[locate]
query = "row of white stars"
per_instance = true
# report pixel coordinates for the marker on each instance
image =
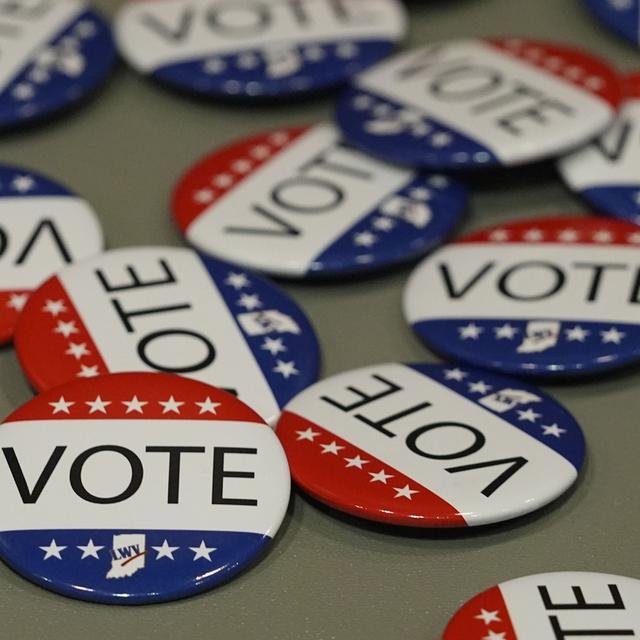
(600, 236)
(22, 183)
(472, 331)
(556, 64)
(333, 448)
(91, 550)
(135, 405)
(488, 617)
(241, 166)
(251, 60)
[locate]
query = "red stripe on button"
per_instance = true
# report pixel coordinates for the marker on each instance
(323, 465)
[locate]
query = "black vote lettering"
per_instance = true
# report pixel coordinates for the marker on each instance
(465, 83)
(365, 398)
(260, 14)
(175, 453)
(208, 358)
(535, 113)
(379, 424)
(515, 464)
(4, 241)
(284, 228)
(75, 475)
(322, 161)
(173, 33)
(43, 226)
(581, 603)
(614, 144)
(454, 293)
(598, 270)
(562, 634)
(635, 289)
(125, 315)
(278, 195)
(478, 443)
(136, 281)
(428, 61)
(220, 473)
(518, 92)
(503, 281)
(27, 496)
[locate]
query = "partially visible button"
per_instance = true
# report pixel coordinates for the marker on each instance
(620, 16)
(550, 606)
(475, 103)
(299, 202)
(430, 445)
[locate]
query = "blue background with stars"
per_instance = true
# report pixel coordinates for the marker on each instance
(621, 16)
(33, 95)
(161, 578)
(570, 444)
(619, 202)
(15, 182)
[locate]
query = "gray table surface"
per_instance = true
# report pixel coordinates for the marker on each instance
(327, 576)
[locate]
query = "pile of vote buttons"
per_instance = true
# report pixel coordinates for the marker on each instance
(178, 390)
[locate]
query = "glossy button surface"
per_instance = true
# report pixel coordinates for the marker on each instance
(137, 488)
(479, 103)
(299, 202)
(430, 445)
(548, 297)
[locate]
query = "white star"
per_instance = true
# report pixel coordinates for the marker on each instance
(441, 139)
(470, 331)
(134, 405)
(309, 435)
(202, 551)
(17, 301)
(313, 53)
(23, 91)
(249, 301)
(364, 239)
(594, 83)
(612, 335)
(241, 166)
(207, 406)
(479, 387)
(576, 333)
(53, 550)
(222, 181)
(381, 476)
(421, 129)
(203, 196)
(455, 374)
(553, 430)
(362, 102)
(279, 138)
(495, 636)
(214, 66)
(383, 110)
(54, 307)
(404, 492)
(603, 236)
(88, 372)
(171, 405)
(77, 350)
(634, 238)
(533, 235)
(332, 448)
(499, 235)
(568, 235)
(247, 61)
(90, 550)
(505, 331)
(383, 224)
(356, 462)
(286, 369)
(554, 63)
(273, 345)
(23, 184)
(488, 616)
(438, 181)
(85, 29)
(260, 152)
(66, 328)
(420, 193)
(98, 405)
(237, 280)
(165, 551)
(347, 50)
(530, 415)
(573, 72)
(61, 406)
(534, 54)
(621, 5)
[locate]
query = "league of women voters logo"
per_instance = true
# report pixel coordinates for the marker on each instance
(127, 555)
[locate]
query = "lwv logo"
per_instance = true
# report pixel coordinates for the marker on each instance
(127, 555)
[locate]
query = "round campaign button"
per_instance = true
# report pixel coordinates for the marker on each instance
(254, 49)
(479, 103)
(42, 227)
(169, 309)
(427, 445)
(621, 16)
(53, 55)
(607, 172)
(138, 487)
(549, 297)
(299, 202)
(551, 606)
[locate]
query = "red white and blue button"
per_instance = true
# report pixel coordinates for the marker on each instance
(551, 297)
(426, 445)
(607, 172)
(479, 103)
(620, 16)
(136, 488)
(42, 227)
(299, 202)
(257, 49)
(54, 54)
(169, 309)
(551, 606)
